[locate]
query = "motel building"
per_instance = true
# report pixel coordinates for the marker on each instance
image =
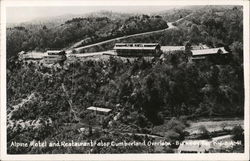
(30, 56)
(212, 53)
(138, 49)
(54, 56)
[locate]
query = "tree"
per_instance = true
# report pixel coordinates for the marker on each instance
(205, 134)
(238, 133)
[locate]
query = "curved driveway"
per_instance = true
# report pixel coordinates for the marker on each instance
(170, 26)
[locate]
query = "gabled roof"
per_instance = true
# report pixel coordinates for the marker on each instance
(99, 109)
(208, 51)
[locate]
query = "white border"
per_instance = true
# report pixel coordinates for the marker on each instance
(221, 156)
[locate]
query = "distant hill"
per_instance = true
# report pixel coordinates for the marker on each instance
(111, 15)
(58, 20)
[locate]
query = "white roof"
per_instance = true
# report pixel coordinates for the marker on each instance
(208, 51)
(34, 54)
(172, 48)
(99, 109)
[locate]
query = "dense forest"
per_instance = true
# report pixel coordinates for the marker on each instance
(213, 26)
(145, 93)
(89, 29)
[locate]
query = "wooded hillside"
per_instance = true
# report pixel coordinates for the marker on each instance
(145, 93)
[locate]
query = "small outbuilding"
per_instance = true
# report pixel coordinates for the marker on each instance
(100, 113)
(99, 110)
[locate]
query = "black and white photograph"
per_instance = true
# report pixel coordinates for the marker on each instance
(125, 79)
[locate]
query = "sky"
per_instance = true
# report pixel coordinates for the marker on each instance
(23, 14)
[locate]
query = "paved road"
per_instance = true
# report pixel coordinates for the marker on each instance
(108, 52)
(170, 26)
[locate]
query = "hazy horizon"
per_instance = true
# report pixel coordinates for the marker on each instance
(25, 14)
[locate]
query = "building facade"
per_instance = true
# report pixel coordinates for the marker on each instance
(54, 56)
(138, 49)
(212, 53)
